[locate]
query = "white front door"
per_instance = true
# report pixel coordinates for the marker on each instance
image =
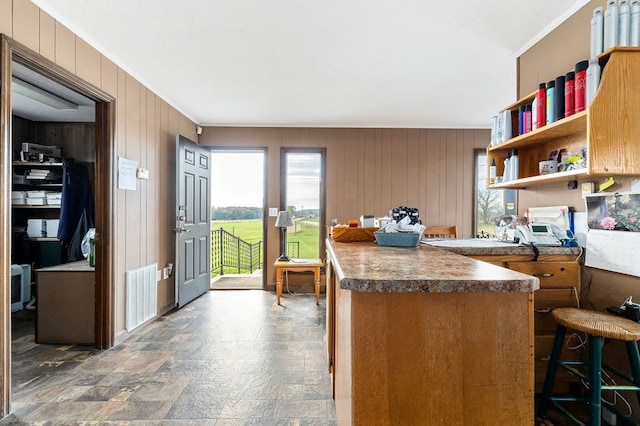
(193, 221)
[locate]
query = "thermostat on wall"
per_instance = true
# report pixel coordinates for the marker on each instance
(142, 173)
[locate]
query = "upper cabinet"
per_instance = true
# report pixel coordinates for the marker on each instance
(609, 128)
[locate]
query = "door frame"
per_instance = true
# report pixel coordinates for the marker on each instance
(265, 210)
(105, 198)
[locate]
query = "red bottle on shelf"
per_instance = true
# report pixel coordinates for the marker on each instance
(569, 97)
(580, 82)
(541, 106)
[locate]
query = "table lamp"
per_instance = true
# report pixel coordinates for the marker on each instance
(282, 222)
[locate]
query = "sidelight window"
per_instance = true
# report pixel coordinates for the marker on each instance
(303, 197)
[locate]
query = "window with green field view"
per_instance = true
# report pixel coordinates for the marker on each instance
(489, 204)
(303, 199)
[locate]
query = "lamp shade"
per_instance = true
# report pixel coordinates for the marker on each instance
(283, 220)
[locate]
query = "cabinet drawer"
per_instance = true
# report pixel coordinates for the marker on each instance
(551, 274)
(546, 299)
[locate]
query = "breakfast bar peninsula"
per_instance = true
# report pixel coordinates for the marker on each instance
(424, 336)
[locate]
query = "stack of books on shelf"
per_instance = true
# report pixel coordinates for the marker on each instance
(42, 175)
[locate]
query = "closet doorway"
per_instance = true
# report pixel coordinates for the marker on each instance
(17, 59)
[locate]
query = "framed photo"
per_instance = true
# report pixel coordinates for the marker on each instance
(555, 155)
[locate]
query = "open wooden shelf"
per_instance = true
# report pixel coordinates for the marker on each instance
(609, 129)
(568, 126)
(546, 179)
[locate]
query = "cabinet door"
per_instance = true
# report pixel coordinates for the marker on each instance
(546, 300)
(551, 274)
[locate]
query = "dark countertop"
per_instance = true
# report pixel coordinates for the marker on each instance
(369, 267)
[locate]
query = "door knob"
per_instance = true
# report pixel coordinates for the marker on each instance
(181, 230)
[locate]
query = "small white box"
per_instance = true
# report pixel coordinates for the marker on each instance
(367, 221)
(52, 227)
(54, 196)
(18, 195)
(36, 228)
(36, 201)
(42, 228)
(36, 194)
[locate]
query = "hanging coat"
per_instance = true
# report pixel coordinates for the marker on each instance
(76, 207)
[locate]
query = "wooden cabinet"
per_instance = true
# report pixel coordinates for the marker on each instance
(559, 277)
(66, 304)
(609, 129)
(426, 357)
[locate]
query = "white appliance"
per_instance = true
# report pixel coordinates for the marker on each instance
(20, 286)
(42, 228)
(537, 233)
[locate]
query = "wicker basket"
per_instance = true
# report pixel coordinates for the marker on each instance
(397, 239)
(351, 235)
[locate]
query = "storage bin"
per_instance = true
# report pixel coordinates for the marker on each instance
(350, 235)
(397, 239)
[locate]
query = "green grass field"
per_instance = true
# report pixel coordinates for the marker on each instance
(307, 234)
(248, 230)
(486, 227)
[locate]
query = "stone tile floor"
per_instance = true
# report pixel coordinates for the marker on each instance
(227, 358)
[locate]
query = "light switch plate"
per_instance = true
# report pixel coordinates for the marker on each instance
(587, 188)
(273, 211)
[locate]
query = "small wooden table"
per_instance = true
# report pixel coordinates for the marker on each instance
(298, 265)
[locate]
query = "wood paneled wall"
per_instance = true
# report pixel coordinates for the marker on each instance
(370, 171)
(76, 140)
(558, 52)
(146, 127)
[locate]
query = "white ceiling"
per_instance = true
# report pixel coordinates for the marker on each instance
(363, 63)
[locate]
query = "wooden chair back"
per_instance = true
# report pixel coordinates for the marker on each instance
(443, 232)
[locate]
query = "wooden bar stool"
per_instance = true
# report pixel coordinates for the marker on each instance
(598, 326)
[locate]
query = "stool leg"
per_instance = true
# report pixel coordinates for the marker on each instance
(634, 362)
(558, 342)
(595, 380)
